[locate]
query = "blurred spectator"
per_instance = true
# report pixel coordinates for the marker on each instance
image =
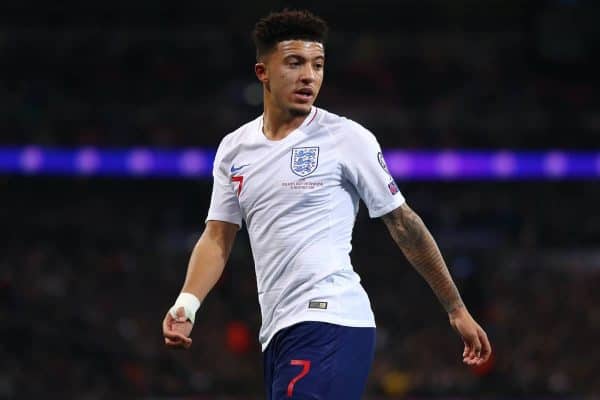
(88, 268)
(86, 275)
(517, 75)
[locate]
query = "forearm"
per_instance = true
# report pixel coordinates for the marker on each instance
(208, 260)
(418, 245)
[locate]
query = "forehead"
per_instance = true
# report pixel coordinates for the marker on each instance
(300, 47)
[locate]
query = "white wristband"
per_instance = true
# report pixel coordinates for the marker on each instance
(190, 304)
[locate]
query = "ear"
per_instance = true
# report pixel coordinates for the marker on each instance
(260, 69)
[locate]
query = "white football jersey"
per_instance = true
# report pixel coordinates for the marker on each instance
(299, 198)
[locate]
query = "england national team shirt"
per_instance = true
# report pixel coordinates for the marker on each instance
(299, 198)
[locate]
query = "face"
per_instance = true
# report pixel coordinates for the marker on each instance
(292, 75)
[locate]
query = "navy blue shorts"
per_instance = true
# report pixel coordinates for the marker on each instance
(317, 360)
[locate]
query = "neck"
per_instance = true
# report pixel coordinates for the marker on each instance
(278, 123)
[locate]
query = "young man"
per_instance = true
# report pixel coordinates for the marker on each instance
(295, 176)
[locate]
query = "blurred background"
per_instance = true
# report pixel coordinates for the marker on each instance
(89, 265)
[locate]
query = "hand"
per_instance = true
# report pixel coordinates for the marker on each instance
(477, 346)
(177, 330)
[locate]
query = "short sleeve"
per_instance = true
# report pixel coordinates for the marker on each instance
(224, 204)
(364, 167)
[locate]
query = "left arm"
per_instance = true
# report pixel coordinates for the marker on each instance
(416, 242)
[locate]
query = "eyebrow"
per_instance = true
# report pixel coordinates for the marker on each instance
(321, 57)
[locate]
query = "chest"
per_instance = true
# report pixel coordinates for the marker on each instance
(299, 174)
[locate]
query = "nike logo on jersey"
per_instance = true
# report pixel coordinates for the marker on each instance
(235, 169)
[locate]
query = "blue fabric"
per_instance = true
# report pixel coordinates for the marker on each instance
(340, 358)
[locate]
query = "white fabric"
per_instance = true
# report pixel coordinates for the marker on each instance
(190, 304)
(299, 198)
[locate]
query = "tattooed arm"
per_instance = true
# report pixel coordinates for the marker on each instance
(419, 247)
(412, 236)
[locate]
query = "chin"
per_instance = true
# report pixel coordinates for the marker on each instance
(300, 111)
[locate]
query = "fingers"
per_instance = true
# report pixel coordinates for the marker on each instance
(477, 349)
(466, 350)
(171, 331)
(486, 347)
(170, 323)
(174, 335)
(176, 339)
(178, 342)
(472, 352)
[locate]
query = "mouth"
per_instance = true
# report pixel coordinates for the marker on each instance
(304, 94)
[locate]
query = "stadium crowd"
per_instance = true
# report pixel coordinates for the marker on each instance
(89, 267)
(512, 83)
(87, 273)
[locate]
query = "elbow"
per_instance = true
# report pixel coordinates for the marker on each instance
(221, 233)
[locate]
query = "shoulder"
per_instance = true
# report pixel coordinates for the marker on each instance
(242, 134)
(345, 131)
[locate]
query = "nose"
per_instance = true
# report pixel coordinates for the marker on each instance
(308, 74)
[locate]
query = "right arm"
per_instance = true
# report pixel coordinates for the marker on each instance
(205, 267)
(209, 257)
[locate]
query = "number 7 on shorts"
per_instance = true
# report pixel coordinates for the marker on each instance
(305, 368)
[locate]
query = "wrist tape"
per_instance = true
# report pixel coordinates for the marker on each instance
(190, 304)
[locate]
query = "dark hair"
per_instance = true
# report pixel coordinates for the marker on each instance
(287, 25)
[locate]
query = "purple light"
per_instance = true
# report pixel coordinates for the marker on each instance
(449, 165)
(31, 159)
(504, 164)
(401, 163)
(555, 164)
(192, 162)
(87, 161)
(140, 162)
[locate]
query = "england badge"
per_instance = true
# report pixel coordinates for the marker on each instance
(304, 160)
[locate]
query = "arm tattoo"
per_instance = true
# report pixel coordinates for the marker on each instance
(412, 236)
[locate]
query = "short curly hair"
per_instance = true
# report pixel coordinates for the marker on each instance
(287, 25)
